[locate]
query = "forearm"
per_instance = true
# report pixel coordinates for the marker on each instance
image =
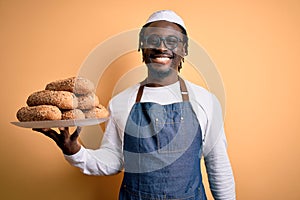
(220, 173)
(106, 160)
(96, 162)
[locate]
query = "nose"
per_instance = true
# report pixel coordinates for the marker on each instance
(162, 45)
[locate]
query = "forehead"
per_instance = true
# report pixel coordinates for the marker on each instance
(163, 28)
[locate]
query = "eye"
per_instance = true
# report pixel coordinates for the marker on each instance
(153, 40)
(172, 40)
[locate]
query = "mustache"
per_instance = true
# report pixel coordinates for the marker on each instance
(160, 53)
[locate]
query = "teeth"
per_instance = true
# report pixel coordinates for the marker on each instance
(162, 59)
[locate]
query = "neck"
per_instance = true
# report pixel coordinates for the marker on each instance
(159, 82)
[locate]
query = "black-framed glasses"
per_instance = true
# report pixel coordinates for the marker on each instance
(154, 41)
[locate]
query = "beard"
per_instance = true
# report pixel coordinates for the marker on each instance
(158, 73)
(158, 70)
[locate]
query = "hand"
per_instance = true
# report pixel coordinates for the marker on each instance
(67, 142)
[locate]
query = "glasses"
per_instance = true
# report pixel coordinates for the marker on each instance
(154, 41)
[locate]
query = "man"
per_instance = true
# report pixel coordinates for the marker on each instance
(160, 128)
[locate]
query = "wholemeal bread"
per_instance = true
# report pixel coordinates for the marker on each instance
(72, 114)
(76, 85)
(96, 112)
(39, 113)
(61, 99)
(71, 98)
(88, 101)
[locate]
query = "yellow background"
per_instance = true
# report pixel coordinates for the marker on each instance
(254, 44)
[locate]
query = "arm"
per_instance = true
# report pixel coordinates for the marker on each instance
(106, 160)
(218, 167)
(219, 171)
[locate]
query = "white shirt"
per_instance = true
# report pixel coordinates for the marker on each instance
(108, 159)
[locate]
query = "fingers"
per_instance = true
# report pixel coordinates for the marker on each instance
(48, 132)
(41, 130)
(75, 135)
(64, 132)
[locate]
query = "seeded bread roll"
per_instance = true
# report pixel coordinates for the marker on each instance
(61, 99)
(88, 101)
(97, 112)
(38, 113)
(72, 114)
(76, 85)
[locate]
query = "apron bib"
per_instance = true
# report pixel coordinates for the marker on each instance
(162, 144)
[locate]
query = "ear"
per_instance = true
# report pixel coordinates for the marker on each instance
(184, 49)
(143, 56)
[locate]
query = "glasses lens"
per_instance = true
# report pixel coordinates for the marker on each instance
(153, 41)
(171, 42)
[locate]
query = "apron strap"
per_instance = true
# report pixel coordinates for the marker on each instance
(183, 90)
(140, 93)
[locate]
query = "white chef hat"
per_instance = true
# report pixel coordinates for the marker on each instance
(167, 15)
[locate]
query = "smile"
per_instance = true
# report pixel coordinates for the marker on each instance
(161, 58)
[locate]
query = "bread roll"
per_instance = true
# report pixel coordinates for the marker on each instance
(76, 85)
(72, 114)
(88, 101)
(39, 113)
(61, 99)
(97, 112)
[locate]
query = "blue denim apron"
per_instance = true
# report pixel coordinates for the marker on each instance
(162, 148)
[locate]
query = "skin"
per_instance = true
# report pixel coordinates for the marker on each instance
(161, 72)
(67, 142)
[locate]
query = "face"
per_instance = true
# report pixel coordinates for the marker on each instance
(163, 48)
